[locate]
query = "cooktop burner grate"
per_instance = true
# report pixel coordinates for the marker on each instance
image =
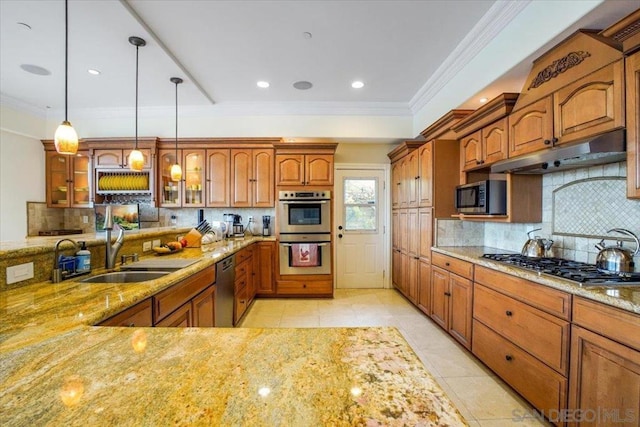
(579, 272)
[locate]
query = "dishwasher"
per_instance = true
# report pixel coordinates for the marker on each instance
(225, 277)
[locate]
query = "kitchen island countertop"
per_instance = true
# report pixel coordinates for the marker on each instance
(219, 376)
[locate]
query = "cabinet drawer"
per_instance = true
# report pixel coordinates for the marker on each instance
(240, 304)
(619, 325)
(242, 268)
(539, 384)
(550, 300)
(181, 318)
(139, 315)
(171, 298)
(544, 336)
(305, 287)
(240, 283)
(243, 254)
(454, 265)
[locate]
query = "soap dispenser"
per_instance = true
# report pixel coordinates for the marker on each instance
(83, 259)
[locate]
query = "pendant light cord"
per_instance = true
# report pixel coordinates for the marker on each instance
(177, 122)
(137, 47)
(66, 59)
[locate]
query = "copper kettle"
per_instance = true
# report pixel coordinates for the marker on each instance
(616, 259)
(537, 247)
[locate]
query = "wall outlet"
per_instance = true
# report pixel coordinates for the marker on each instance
(20, 272)
(156, 243)
(146, 246)
(85, 219)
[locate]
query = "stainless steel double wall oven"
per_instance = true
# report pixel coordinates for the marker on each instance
(304, 222)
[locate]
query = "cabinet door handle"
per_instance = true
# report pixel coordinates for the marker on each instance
(547, 142)
(554, 140)
(447, 264)
(508, 358)
(304, 285)
(416, 257)
(448, 294)
(509, 313)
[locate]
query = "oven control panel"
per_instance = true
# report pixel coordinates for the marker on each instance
(304, 195)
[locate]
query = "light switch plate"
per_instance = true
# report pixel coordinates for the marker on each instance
(20, 272)
(146, 246)
(156, 243)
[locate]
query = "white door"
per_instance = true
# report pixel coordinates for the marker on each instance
(359, 228)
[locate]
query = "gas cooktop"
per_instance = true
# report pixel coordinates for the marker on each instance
(579, 272)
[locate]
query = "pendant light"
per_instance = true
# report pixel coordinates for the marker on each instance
(66, 138)
(176, 170)
(136, 159)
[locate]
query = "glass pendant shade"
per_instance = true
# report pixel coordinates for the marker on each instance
(136, 160)
(176, 172)
(66, 139)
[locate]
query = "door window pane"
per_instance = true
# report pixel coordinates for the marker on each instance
(360, 204)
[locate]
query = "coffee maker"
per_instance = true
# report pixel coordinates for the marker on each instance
(238, 228)
(229, 220)
(266, 221)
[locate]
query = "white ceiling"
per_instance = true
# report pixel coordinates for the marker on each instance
(222, 48)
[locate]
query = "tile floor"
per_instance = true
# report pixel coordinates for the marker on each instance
(482, 398)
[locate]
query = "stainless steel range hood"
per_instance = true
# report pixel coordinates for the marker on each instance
(609, 147)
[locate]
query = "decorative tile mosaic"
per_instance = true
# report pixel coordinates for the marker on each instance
(589, 207)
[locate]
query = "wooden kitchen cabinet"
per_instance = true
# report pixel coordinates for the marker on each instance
(264, 267)
(304, 169)
(605, 362)
(68, 180)
(425, 233)
(412, 177)
(305, 287)
(396, 182)
(452, 296)
(252, 177)
(521, 331)
(591, 105)
(171, 299)
(632, 63)
(425, 189)
(424, 287)
(531, 128)
(203, 308)
(190, 190)
(116, 158)
(439, 175)
(140, 315)
(218, 177)
(182, 317)
(485, 147)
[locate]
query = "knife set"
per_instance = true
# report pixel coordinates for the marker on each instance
(194, 236)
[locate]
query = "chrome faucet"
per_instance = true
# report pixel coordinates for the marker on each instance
(112, 251)
(56, 275)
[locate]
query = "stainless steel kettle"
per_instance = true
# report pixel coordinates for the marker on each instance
(537, 247)
(616, 259)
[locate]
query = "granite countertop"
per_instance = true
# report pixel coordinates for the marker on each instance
(40, 311)
(219, 376)
(624, 297)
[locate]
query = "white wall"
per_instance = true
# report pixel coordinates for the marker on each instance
(22, 170)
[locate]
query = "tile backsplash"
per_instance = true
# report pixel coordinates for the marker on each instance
(578, 207)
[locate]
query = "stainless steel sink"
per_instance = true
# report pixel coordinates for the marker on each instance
(126, 277)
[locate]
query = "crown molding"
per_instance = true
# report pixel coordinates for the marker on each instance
(234, 109)
(490, 25)
(22, 106)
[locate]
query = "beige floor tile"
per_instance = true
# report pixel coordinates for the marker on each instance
(457, 401)
(261, 321)
(312, 321)
(454, 361)
(487, 397)
(340, 321)
(515, 421)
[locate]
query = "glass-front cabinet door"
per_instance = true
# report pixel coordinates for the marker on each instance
(58, 180)
(193, 177)
(170, 191)
(81, 180)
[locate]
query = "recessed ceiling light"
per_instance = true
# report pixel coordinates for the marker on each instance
(35, 69)
(307, 35)
(483, 100)
(93, 71)
(303, 85)
(263, 84)
(357, 84)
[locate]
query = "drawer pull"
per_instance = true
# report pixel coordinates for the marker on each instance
(304, 285)
(447, 264)
(508, 358)
(509, 313)
(448, 294)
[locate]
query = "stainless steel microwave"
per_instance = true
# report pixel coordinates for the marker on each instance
(487, 197)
